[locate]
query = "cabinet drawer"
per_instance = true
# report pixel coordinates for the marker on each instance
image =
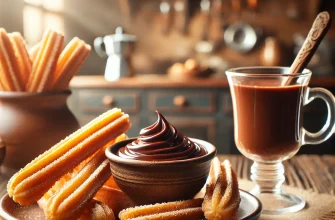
(200, 128)
(183, 102)
(99, 101)
(227, 104)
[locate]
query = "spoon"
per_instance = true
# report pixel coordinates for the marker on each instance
(317, 32)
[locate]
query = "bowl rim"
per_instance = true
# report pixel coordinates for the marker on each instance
(210, 148)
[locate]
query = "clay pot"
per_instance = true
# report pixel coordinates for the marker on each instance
(31, 123)
(149, 182)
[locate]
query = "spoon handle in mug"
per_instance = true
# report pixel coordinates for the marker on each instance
(317, 32)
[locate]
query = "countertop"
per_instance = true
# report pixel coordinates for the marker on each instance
(163, 81)
(309, 172)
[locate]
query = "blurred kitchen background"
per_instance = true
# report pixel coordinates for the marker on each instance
(177, 52)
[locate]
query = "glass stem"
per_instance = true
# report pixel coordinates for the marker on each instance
(268, 177)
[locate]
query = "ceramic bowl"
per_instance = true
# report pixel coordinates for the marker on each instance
(148, 182)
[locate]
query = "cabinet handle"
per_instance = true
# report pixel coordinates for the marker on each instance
(108, 101)
(180, 101)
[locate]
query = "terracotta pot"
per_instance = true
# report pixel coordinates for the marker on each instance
(31, 123)
(149, 182)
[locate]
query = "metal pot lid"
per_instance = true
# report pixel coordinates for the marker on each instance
(241, 37)
(120, 36)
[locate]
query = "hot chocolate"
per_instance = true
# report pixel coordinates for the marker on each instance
(268, 120)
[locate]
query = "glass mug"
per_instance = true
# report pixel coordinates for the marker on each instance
(268, 104)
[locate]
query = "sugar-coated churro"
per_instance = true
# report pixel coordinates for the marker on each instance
(222, 197)
(188, 209)
(97, 211)
(182, 214)
(119, 199)
(33, 51)
(70, 201)
(69, 62)
(22, 55)
(45, 63)
(9, 65)
(65, 178)
(31, 182)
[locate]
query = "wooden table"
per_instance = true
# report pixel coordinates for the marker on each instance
(309, 172)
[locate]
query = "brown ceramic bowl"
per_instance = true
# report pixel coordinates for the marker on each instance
(148, 182)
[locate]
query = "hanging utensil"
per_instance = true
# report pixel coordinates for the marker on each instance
(204, 46)
(181, 8)
(240, 36)
(165, 9)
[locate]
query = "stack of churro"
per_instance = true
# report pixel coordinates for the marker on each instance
(48, 66)
(67, 196)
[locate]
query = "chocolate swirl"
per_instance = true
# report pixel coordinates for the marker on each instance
(161, 141)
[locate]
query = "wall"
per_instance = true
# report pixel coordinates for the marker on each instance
(155, 52)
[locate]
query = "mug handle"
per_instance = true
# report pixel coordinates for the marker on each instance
(98, 42)
(328, 129)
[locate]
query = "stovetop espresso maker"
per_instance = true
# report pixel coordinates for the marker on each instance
(118, 49)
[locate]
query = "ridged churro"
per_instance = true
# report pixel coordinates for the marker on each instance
(97, 211)
(222, 197)
(111, 195)
(35, 179)
(69, 62)
(45, 67)
(9, 66)
(180, 210)
(33, 51)
(45, 63)
(67, 177)
(71, 200)
(22, 55)
(183, 214)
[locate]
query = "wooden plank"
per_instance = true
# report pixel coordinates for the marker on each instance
(301, 173)
(295, 177)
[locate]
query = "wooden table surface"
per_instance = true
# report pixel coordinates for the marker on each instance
(309, 172)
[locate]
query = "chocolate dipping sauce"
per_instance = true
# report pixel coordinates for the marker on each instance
(268, 120)
(161, 141)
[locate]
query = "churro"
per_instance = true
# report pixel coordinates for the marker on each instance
(119, 199)
(188, 209)
(222, 196)
(22, 55)
(69, 62)
(33, 51)
(67, 177)
(71, 200)
(9, 65)
(34, 180)
(97, 211)
(45, 63)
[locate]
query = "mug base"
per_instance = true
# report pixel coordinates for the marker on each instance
(279, 203)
